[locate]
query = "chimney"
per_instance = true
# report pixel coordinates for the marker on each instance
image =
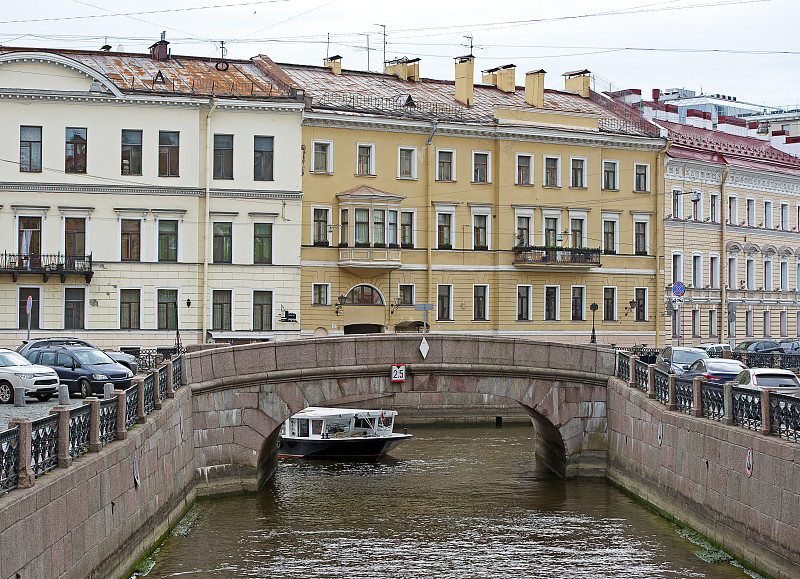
(404, 68)
(334, 63)
(577, 81)
(656, 94)
(464, 79)
(507, 78)
(534, 88)
(159, 50)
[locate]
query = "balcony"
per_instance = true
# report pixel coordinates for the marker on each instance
(369, 261)
(46, 265)
(556, 257)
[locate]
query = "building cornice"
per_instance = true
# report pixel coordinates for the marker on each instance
(744, 178)
(147, 190)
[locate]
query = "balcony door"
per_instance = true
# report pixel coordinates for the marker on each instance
(30, 241)
(74, 241)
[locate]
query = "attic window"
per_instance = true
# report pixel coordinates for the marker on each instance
(405, 100)
(159, 78)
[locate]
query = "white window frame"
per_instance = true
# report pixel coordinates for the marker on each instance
(733, 218)
(177, 314)
(697, 322)
(141, 217)
(714, 207)
(585, 174)
(784, 211)
(253, 307)
(119, 306)
(452, 167)
(211, 291)
(329, 160)
(485, 305)
(750, 272)
(558, 303)
(646, 304)
(329, 227)
(227, 219)
(784, 323)
(616, 303)
(750, 217)
(679, 192)
(64, 289)
(647, 177)
(783, 268)
(485, 210)
(733, 271)
(170, 217)
(748, 323)
(488, 168)
(713, 272)
(610, 216)
(529, 213)
(712, 323)
(450, 209)
(583, 302)
(678, 277)
(42, 213)
(413, 150)
(452, 317)
(551, 214)
(582, 215)
(767, 323)
(641, 218)
(41, 302)
(699, 194)
(413, 292)
(530, 157)
(797, 222)
(530, 303)
(603, 174)
(413, 212)
(86, 215)
(697, 269)
(768, 277)
(558, 171)
(327, 293)
(769, 214)
(371, 160)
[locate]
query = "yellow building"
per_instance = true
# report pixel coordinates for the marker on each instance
(507, 209)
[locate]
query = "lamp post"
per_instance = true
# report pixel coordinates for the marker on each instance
(177, 327)
(593, 307)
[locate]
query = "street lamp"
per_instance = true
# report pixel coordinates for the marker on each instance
(593, 307)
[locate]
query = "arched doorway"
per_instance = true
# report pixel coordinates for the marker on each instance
(364, 310)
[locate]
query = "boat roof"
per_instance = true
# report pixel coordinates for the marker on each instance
(321, 412)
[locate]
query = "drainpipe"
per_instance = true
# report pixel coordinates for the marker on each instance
(431, 215)
(206, 216)
(723, 257)
(659, 199)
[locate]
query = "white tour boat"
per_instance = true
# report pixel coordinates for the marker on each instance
(339, 433)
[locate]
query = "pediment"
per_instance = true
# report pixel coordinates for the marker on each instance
(44, 71)
(364, 192)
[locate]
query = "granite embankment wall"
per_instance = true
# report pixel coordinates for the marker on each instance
(92, 520)
(697, 473)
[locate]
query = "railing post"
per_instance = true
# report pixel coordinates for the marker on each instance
(120, 432)
(64, 458)
(671, 393)
(156, 390)
(727, 400)
(170, 383)
(697, 396)
(94, 423)
(726, 354)
(632, 371)
(651, 380)
(766, 418)
(141, 417)
(25, 476)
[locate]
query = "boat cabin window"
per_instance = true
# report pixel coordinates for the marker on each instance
(365, 423)
(316, 427)
(303, 423)
(338, 426)
(385, 422)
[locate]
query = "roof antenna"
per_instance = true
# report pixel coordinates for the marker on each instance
(328, 46)
(222, 65)
(469, 37)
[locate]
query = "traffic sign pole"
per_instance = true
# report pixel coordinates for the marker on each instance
(28, 308)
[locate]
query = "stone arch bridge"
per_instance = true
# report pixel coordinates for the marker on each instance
(242, 394)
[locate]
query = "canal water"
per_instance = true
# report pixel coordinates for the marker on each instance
(450, 503)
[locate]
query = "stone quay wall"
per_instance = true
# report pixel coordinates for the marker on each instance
(95, 519)
(697, 471)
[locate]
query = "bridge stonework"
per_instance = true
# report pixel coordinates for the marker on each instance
(241, 395)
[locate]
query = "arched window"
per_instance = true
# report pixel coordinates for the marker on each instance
(364, 295)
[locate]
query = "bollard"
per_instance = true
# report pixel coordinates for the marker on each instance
(19, 396)
(108, 388)
(651, 381)
(63, 395)
(671, 393)
(697, 396)
(766, 411)
(727, 417)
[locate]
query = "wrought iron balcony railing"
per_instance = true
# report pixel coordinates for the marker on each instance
(557, 256)
(46, 265)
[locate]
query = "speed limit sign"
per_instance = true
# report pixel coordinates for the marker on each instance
(398, 372)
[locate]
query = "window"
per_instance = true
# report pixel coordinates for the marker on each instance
(610, 175)
(223, 156)
(263, 158)
(445, 165)
(322, 157)
(406, 163)
(751, 213)
(523, 230)
(641, 177)
(577, 175)
(479, 232)
(444, 302)
(784, 216)
(697, 208)
(768, 214)
(222, 242)
(784, 321)
(767, 324)
(365, 159)
(750, 272)
(407, 229)
(379, 227)
(74, 240)
(129, 308)
(167, 240)
(640, 236)
(714, 207)
(609, 304)
(784, 276)
(677, 204)
(697, 271)
(768, 273)
(24, 292)
(321, 226)
(712, 323)
(552, 177)
(640, 295)
(550, 231)
(168, 153)
(30, 149)
(131, 152)
(609, 236)
(406, 294)
(320, 294)
(748, 323)
(221, 309)
(713, 271)
(391, 229)
(676, 323)
(677, 267)
(480, 167)
(344, 227)
(733, 264)
(524, 293)
(524, 173)
(262, 243)
(30, 239)
(444, 223)
(75, 155)
(576, 232)
(578, 293)
(362, 227)
(262, 310)
(551, 302)
(74, 299)
(167, 309)
(733, 210)
(695, 323)
(479, 307)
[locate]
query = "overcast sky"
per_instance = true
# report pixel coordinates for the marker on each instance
(732, 47)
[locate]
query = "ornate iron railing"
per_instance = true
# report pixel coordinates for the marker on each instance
(131, 405)
(9, 459)
(684, 396)
(647, 355)
(46, 264)
(641, 372)
(44, 444)
(661, 385)
(746, 408)
(790, 361)
(624, 365)
(108, 419)
(79, 430)
(177, 378)
(571, 256)
(784, 414)
(713, 400)
(162, 382)
(149, 394)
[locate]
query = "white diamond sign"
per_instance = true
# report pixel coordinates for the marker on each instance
(423, 348)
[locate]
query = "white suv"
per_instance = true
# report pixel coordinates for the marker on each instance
(775, 379)
(40, 382)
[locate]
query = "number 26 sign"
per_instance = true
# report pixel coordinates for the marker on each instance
(398, 372)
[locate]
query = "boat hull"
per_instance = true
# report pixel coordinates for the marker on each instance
(358, 447)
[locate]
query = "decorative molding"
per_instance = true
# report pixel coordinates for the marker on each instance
(67, 188)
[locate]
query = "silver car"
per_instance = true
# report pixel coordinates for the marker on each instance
(774, 379)
(40, 382)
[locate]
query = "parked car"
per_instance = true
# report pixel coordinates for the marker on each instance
(677, 359)
(15, 371)
(781, 381)
(119, 357)
(791, 346)
(759, 346)
(715, 369)
(714, 350)
(84, 370)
